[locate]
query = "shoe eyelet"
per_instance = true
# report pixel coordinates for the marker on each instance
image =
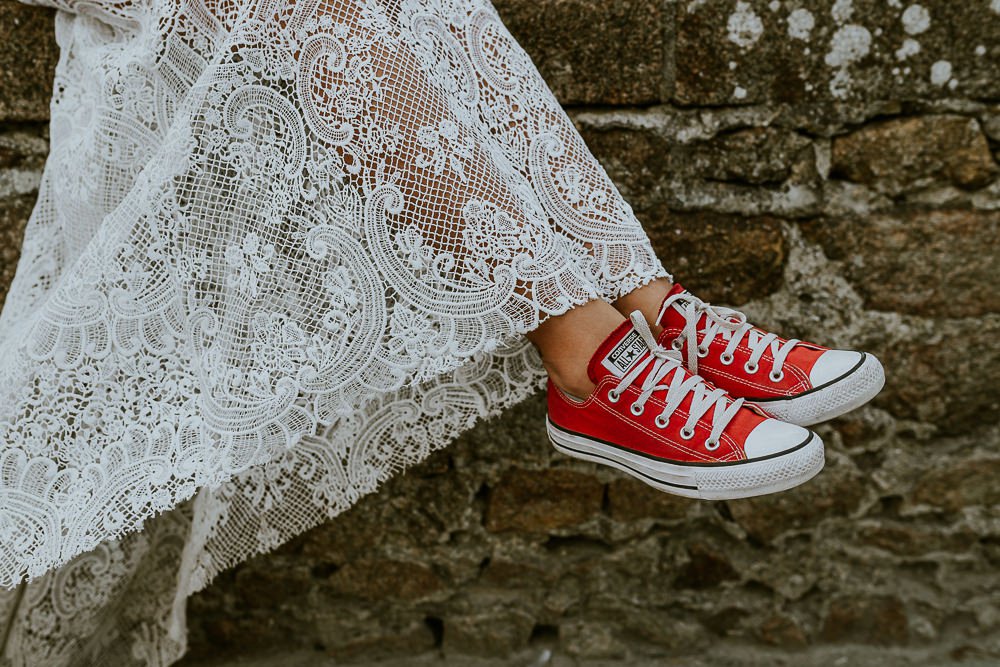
(661, 421)
(677, 344)
(636, 409)
(711, 445)
(702, 351)
(687, 433)
(613, 397)
(750, 369)
(725, 359)
(777, 377)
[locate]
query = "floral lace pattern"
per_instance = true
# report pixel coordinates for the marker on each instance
(280, 252)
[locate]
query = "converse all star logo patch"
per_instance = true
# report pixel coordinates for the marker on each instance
(628, 351)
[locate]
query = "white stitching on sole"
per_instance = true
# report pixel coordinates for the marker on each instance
(849, 393)
(727, 482)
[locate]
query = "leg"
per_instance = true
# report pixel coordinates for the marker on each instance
(646, 299)
(528, 127)
(567, 342)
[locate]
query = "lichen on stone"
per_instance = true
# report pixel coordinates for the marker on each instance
(744, 26)
(800, 24)
(916, 20)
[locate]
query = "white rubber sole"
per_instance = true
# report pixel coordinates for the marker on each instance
(837, 397)
(708, 481)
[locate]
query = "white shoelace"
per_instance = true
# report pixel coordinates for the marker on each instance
(731, 324)
(665, 361)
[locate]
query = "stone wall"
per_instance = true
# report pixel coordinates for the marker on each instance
(830, 166)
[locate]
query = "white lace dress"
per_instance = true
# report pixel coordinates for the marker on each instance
(281, 251)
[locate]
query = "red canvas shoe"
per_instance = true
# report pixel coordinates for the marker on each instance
(669, 428)
(794, 381)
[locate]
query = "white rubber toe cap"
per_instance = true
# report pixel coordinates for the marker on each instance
(832, 364)
(773, 437)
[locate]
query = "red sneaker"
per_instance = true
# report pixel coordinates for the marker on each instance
(794, 381)
(669, 428)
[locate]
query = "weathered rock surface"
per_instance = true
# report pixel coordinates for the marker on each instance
(27, 62)
(905, 154)
(829, 62)
(593, 52)
(14, 212)
(871, 620)
(539, 501)
(934, 263)
(725, 257)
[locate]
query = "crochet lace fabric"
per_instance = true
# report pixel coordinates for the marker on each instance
(281, 251)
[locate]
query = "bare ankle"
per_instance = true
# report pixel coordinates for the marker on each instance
(568, 341)
(575, 383)
(646, 299)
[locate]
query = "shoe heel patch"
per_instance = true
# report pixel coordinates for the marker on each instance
(629, 350)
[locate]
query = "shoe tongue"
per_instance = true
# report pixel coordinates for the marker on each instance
(619, 352)
(674, 317)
